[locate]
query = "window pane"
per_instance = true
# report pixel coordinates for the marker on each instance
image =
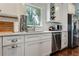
(33, 17)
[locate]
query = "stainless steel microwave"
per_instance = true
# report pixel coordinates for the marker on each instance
(58, 27)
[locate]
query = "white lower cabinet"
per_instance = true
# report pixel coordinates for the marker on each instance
(8, 40)
(64, 40)
(38, 46)
(32, 49)
(13, 45)
(0, 51)
(45, 47)
(14, 50)
(0, 46)
(27, 45)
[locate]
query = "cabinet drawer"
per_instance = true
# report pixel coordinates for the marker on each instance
(46, 37)
(46, 47)
(46, 34)
(14, 50)
(29, 38)
(32, 49)
(12, 40)
(0, 41)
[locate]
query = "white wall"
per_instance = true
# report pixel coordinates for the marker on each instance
(8, 8)
(18, 9)
(12, 9)
(15, 9)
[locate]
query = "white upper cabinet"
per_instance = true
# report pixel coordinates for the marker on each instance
(71, 9)
(50, 12)
(60, 9)
(58, 13)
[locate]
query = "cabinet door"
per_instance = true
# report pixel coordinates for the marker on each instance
(71, 8)
(32, 49)
(8, 40)
(58, 12)
(0, 51)
(34, 37)
(0, 41)
(14, 50)
(0, 46)
(64, 40)
(45, 47)
(46, 36)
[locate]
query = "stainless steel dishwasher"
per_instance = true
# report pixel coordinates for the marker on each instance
(56, 41)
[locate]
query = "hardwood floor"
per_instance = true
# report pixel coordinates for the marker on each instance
(68, 52)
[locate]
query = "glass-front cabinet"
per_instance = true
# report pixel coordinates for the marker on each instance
(50, 12)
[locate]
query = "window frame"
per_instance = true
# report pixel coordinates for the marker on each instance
(28, 4)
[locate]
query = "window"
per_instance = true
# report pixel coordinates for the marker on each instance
(33, 15)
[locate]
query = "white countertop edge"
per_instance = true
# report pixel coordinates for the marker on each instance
(26, 33)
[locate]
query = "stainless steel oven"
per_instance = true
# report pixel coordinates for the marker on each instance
(56, 42)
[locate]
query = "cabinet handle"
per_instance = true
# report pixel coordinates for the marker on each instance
(14, 40)
(32, 36)
(14, 46)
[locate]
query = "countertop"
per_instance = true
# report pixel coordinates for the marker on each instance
(29, 33)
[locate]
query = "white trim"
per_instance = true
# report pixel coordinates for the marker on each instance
(48, 12)
(29, 4)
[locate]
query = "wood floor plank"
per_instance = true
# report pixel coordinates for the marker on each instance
(68, 52)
